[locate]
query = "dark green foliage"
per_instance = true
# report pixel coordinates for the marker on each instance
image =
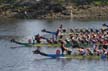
(77, 2)
(87, 2)
(7, 1)
(83, 2)
(55, 8)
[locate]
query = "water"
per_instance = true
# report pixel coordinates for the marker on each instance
(22, 59)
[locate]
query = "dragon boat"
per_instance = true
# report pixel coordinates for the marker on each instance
(95, 57)
(35, 44)
(27, 44)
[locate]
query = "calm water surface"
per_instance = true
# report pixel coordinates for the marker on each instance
(22, 59)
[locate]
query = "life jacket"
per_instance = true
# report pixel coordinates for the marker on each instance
(105, 42)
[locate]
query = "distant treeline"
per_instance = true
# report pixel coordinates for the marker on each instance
(86, 2)
(83, 2)
(7, 1)
(77, 2)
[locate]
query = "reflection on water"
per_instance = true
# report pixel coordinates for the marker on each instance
(22, 59)
(31, 27)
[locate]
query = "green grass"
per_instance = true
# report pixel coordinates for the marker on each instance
(99, 3)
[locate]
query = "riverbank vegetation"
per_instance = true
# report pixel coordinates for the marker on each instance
(54, 9)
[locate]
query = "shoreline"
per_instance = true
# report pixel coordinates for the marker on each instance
(75, 17)
(88, 12)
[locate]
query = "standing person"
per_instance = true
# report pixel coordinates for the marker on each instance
(63, 48)
(60, 28)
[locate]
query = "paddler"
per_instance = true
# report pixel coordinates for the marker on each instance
(105, 51)
(89, 51)
(63, 48)
(38, 38)
(82, 51)
(104, 27)
(97, 51)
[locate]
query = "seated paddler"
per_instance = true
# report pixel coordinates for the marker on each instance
(38, 39)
